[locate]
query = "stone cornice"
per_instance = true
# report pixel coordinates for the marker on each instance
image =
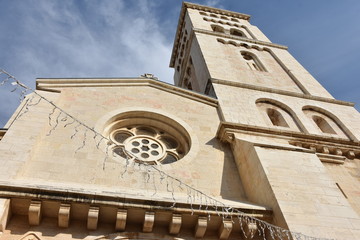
(227, 128)
(40, 193)
(216, 10)
(244, 39)
(281, 92)
(56, 84)
(187, 5)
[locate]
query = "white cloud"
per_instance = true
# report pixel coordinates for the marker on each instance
(95, 39)
(213, 3)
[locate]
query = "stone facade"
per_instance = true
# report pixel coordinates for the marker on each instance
(246, 126)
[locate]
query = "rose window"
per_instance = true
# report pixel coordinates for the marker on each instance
(150, 145)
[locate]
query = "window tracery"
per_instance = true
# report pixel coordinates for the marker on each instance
(148, 138)
(147, 144)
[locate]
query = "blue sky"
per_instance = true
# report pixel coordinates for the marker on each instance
(119, 38)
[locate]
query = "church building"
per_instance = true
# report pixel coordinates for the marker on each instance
(245, 145)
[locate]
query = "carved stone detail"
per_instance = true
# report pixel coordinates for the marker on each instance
(5, 213)
(332, 154)
(225, 229)
(64, 215)
(121, 216)
(338, 152)
(350, 155)
(34, 214)
(325, 150)
(175, 224)
(148, 222)
(201, 226)
(30, 236)
(93, 217)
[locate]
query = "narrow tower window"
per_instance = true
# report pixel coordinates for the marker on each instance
(276, 118)
(237, 32)
(217, 28)
(323, 125)
(252, 62)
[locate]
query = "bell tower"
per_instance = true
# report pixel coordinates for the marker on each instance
(295, 146)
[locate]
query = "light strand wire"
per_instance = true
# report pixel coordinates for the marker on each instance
(224, 208)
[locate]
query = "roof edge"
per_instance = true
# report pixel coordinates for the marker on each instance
(56, 84)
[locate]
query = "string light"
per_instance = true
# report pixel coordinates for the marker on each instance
(275, 231)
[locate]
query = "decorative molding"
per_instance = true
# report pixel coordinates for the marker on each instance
(328, 158)
(115, 199)
(327, 152)
(93, 217)
(281, 92)
(225, 229)
(5, 213)
(226, 128)
(149, 220)
(302, 141)
(200, 227)
(64, 215)
(30, 236)
(216, 10)
(34, 214)
(55, 84)
(121, 216)
(245, 39)
(135, 235)
(175, 224)
(231, 24)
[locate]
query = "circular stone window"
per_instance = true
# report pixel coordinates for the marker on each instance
(150, 141)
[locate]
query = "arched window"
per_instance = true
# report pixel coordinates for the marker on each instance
(144, 137)
(276, 118)
(217, 28)
(237, 32)
(277, 114)
(225, 18)
(327, 123)
(323, 125)
(203, 13)
(213, 15)
(252, 61)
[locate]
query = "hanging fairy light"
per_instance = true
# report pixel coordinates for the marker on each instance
(193, 195)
